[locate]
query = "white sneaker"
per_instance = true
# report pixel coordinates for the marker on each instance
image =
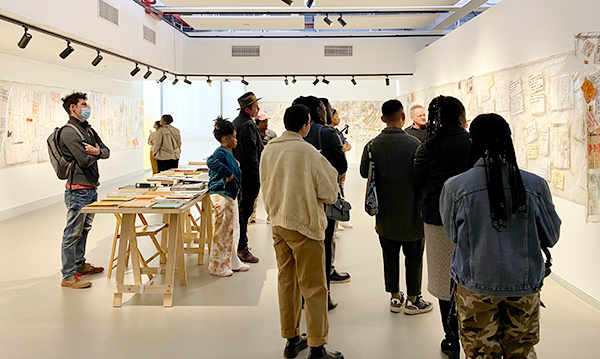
(229, 273)
(243, 268)
(346, 225)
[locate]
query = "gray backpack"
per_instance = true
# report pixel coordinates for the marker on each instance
(62, 167)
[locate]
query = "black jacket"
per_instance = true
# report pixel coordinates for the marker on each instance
(330, 145)
(399, 217)
(249, 147)
(86, 172)
(434, 165)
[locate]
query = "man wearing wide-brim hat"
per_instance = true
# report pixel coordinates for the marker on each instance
(247, 152)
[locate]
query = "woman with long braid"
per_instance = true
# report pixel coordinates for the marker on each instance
(444, 153)
(501, 219)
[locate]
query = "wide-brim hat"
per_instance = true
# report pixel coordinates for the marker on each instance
(247, 99)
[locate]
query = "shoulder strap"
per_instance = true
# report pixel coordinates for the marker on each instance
(77, 130)
(320, 144)
(369, 149)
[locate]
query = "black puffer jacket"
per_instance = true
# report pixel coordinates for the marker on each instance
(434, 165)
(330, 145)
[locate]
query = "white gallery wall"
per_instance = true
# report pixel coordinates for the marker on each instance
(288, 56)
(508, 34)
(27, 187)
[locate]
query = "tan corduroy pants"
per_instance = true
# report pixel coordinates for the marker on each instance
(301, 264)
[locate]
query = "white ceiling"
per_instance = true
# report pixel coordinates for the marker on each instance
(375, 22)
(301, 3)
(372, 15)
(294, 22)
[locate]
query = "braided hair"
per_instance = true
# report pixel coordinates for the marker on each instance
(222, 128)
(444, 111)
(491, 140)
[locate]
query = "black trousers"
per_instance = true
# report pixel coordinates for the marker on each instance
(248, 193)
(450, 324)
(413, 253)
(329, 231)
(164, 165)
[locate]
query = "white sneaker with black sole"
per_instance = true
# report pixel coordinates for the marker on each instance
(418, 307)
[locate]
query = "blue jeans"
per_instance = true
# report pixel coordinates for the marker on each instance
(77, 229)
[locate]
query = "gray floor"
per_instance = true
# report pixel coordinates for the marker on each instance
(234, 317)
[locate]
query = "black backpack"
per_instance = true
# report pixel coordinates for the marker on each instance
(62, 167)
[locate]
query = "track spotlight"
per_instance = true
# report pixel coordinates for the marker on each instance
(135, 70)
(316, 81)
(387, 80)
(209, 81)
(309, 3)
(163, 78)
(24, 39)
(325, 81)
(176, 80)
(148, 73)
(341, 21)
(353, 81)
(187, 81)
(97, 59)
(289, 2)
(294, 80)
(244, 81)
(328, 20)
(286, 82)
(67, 51)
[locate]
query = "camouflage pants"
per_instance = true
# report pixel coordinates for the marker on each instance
(493, 327)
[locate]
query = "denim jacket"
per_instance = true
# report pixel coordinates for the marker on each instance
(221, 165)
(505, 263)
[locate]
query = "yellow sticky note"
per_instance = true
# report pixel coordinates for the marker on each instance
(558, 179)
(532, 150)
(489, 81)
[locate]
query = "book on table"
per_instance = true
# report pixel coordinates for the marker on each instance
(166, 205)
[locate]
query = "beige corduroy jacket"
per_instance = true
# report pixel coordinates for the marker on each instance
(295, 182)
(166, 143)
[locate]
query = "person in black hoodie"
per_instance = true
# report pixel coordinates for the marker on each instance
(326, 140)
(79, 143)
(247, 153)
(443, 154)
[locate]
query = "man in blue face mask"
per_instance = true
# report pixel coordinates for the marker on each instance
(79, 143)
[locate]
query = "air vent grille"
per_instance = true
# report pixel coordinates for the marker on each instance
(337, 51)
(149, 35)
(108, 12)
(245, 51)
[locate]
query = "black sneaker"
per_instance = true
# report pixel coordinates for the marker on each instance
(339, 277)
(295, 346)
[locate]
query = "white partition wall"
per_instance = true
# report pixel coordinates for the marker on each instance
(511, 33)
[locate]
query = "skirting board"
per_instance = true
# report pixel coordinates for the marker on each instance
(575, 290)
(32, 206)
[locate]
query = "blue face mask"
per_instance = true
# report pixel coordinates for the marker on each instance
(85, 114)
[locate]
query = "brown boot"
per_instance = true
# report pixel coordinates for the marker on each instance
(76, 282)
(89, 269)
(246, 256)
